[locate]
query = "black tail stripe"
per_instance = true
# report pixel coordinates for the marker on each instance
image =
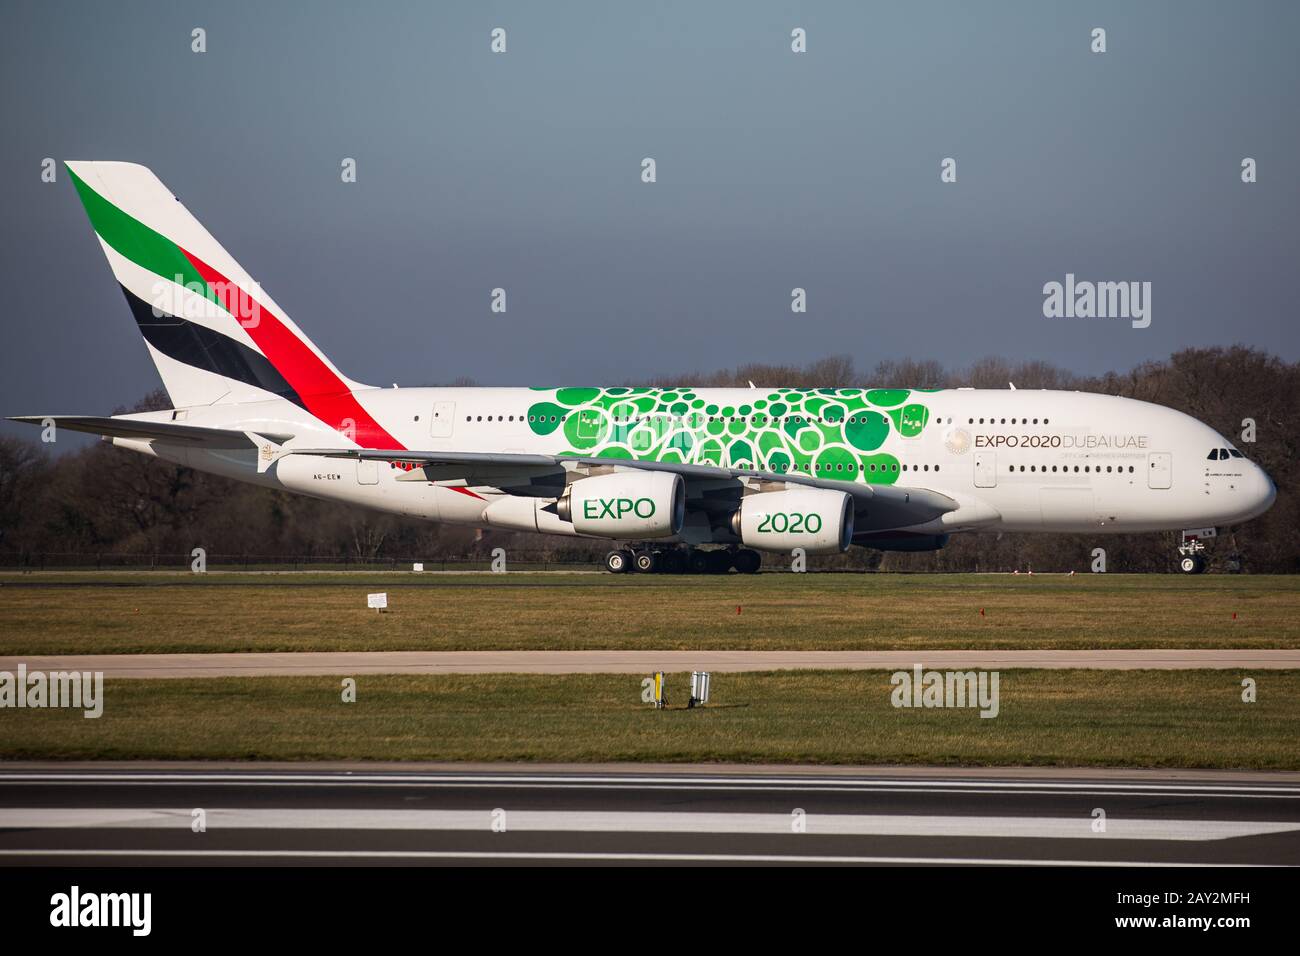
(200, 347)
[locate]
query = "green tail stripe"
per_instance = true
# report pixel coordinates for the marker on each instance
(135, 241)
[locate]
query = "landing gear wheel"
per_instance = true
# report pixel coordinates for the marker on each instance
(719, 562)
(673, 562)
(698, 562)
(618, 562)
(747, 561)
(1192, 564)
(645, 562)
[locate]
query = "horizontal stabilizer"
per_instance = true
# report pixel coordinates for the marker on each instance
(152, 431)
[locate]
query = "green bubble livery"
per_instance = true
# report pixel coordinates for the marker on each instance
(826, 433)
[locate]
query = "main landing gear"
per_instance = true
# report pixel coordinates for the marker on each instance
(682, 561)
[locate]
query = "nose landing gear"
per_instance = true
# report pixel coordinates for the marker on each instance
(1192, 550)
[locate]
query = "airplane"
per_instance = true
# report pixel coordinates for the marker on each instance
(658, 472)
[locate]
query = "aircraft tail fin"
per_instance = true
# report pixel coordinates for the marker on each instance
(214, 334)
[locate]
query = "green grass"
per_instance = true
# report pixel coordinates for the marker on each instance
(139, 612)
(1072, 718)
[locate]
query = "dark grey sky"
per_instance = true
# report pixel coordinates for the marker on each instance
(775, 170)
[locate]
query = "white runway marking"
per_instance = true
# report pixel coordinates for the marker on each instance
(829, 784)
(583, 821)
(592, 857)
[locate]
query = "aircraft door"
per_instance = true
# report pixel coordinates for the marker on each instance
(1160, 470)
(442, 420)
(986, 469)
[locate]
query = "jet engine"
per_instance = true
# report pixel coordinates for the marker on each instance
(816, 519)
(645, 504)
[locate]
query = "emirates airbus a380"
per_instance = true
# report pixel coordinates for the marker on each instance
(660, 471)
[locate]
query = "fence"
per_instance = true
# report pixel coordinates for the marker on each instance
(71, 561)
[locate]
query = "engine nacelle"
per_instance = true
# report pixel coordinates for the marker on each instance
(647, 504)
(816, 519)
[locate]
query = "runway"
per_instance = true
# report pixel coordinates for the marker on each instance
(352, 663)
(111, 815)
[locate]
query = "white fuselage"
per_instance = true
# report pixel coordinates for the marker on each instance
(1015, 460)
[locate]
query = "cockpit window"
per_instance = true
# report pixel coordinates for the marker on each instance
(1235, 454)
(1213, 455)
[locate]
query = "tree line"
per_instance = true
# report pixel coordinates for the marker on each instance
(105, 500)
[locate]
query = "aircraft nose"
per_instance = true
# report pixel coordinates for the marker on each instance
(1265, 492)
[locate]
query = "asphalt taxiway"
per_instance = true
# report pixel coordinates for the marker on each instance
(238, 814)
(351, 663)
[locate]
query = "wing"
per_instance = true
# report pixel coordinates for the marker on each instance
(710, 488)
(111, 427)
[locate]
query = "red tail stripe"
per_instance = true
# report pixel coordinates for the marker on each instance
(327, 396)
